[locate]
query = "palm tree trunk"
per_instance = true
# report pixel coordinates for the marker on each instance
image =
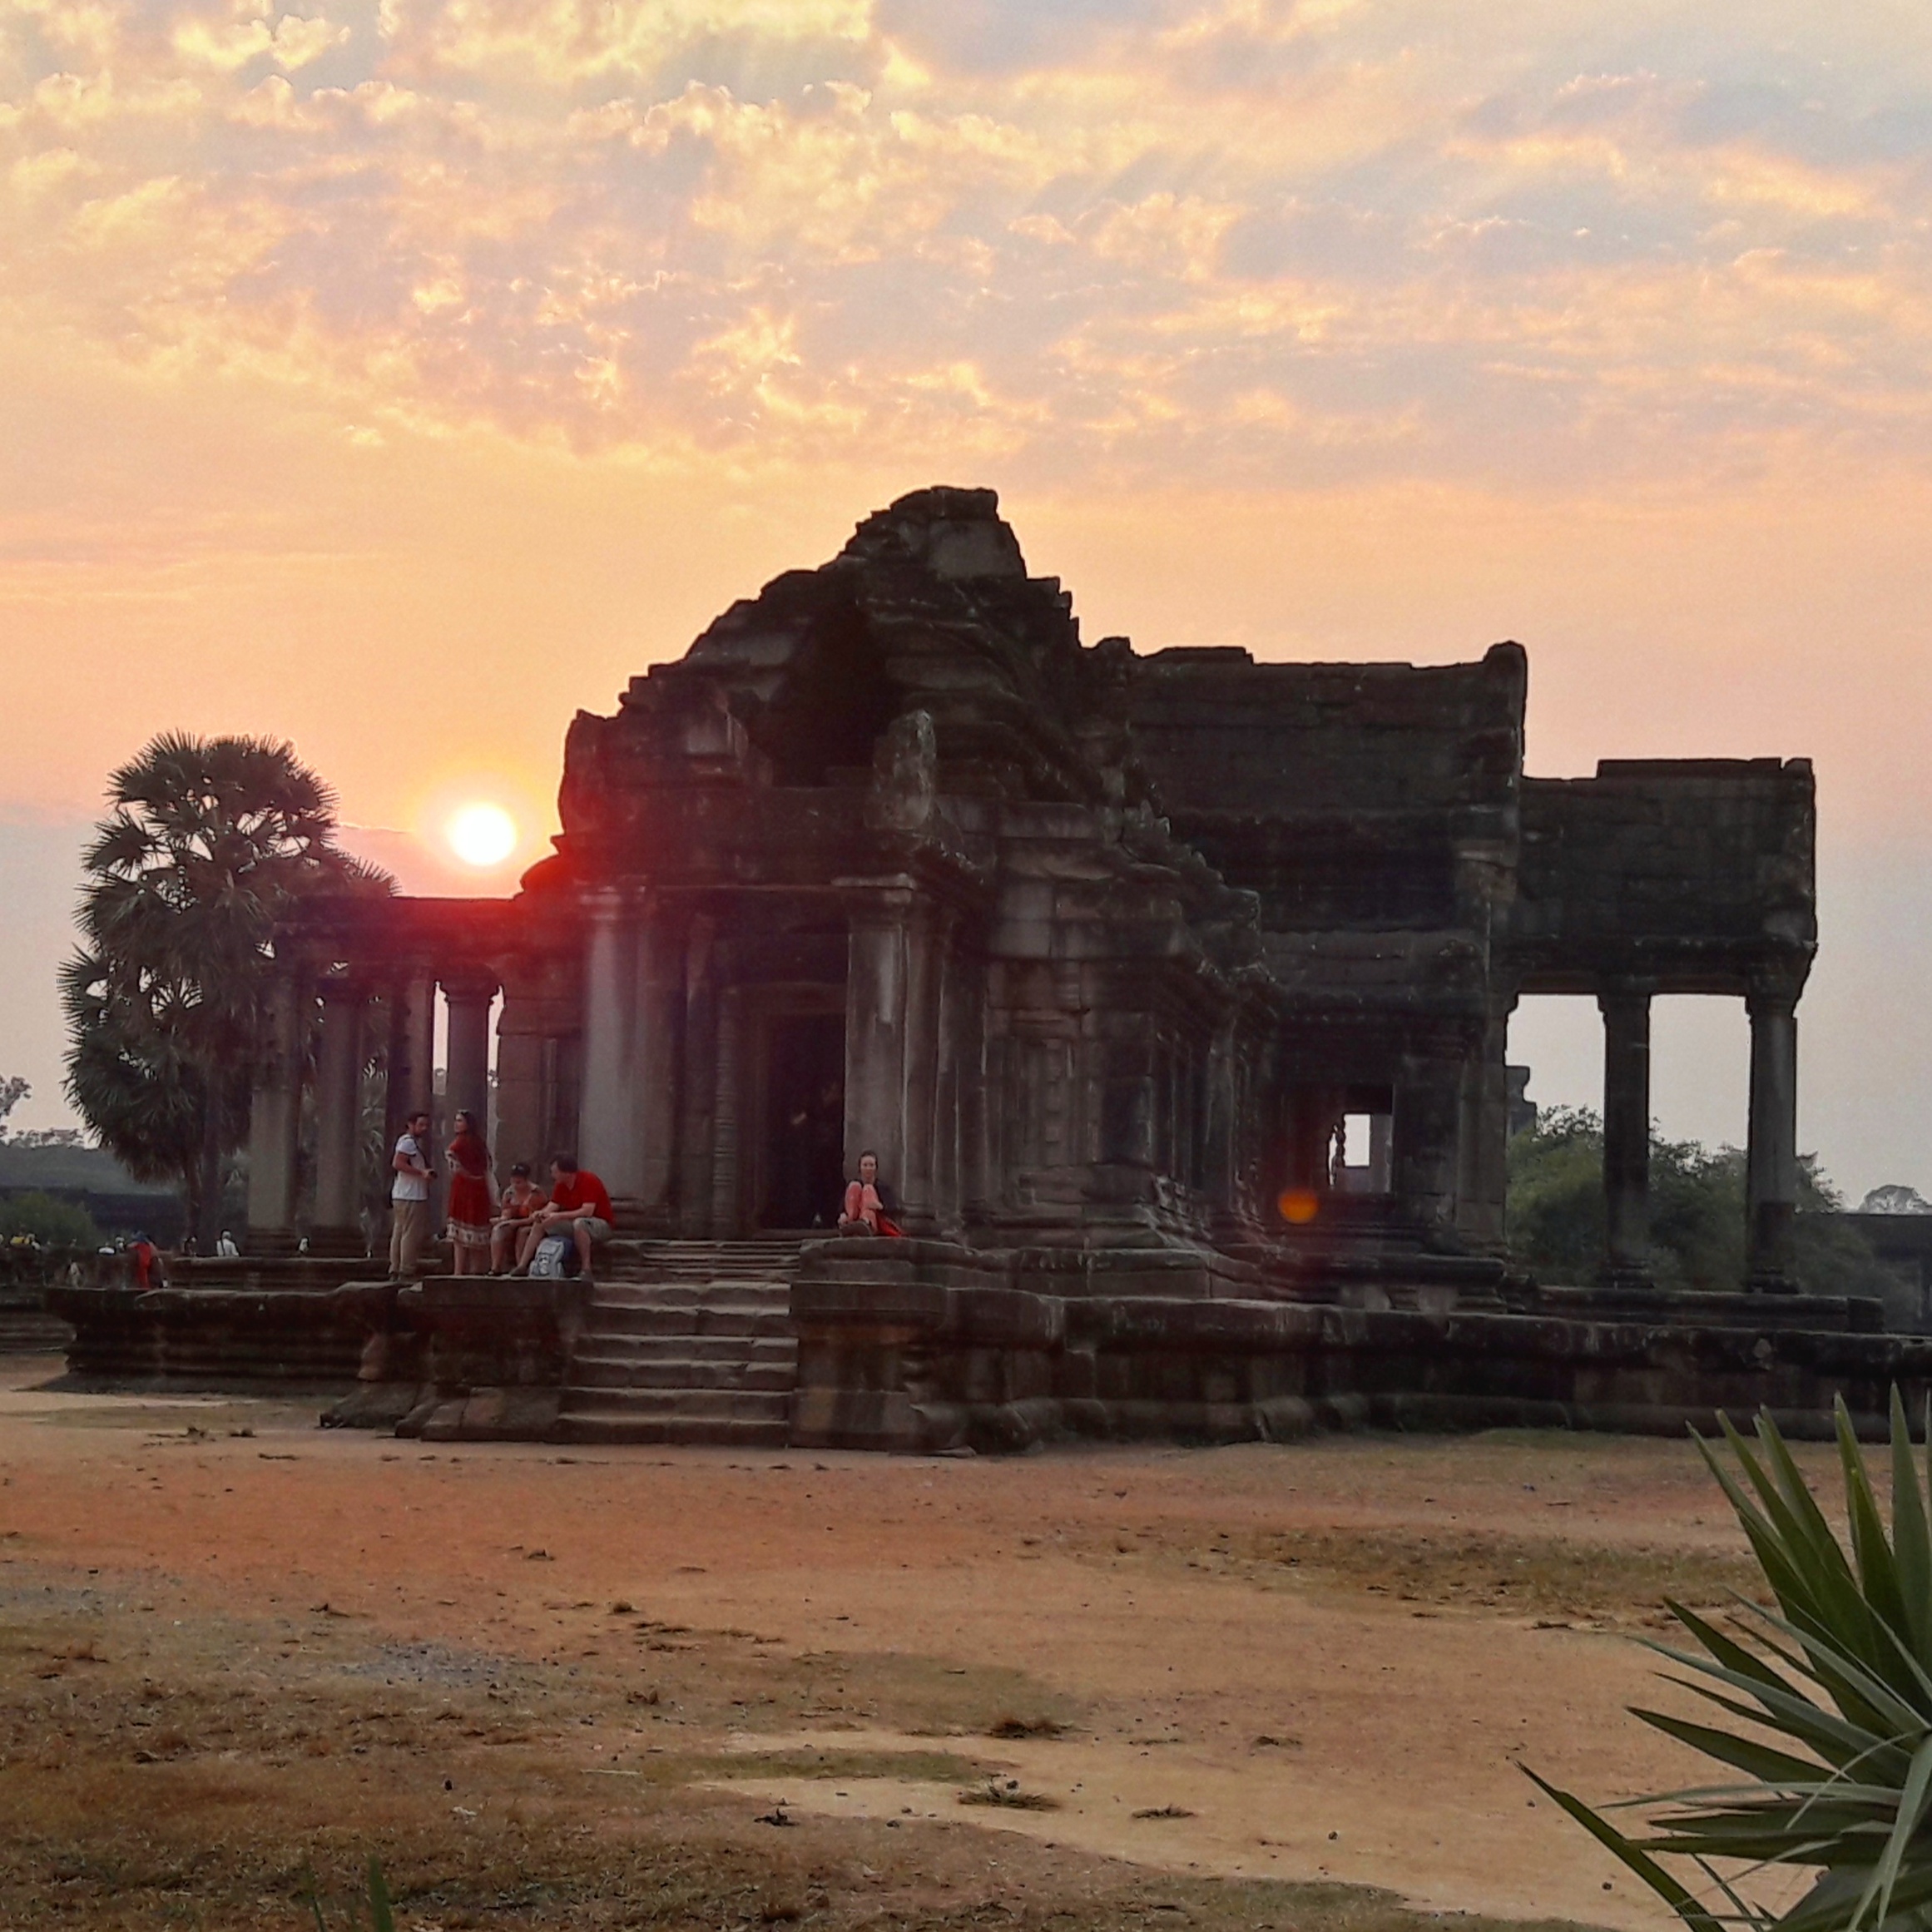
(204, 1211)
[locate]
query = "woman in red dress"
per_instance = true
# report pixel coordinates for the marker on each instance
(471, 1208)
(865, 1203)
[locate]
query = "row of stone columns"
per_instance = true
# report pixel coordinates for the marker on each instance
(342, 1049)
(1771, 1157)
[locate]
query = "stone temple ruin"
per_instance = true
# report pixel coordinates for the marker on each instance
(1171, 990)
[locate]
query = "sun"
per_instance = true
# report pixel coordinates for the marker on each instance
(481, 835)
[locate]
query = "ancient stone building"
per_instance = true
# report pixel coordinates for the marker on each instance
(1171, 988)
(1096, 949)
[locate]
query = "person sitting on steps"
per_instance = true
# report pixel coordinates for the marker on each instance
(521, 1200)
(579, 1202)
(866, 1202)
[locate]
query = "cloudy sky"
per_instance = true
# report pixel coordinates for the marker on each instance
(400, 378)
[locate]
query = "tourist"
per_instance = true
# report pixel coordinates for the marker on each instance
(471, 1210)
(409, 1199)
(521, 1200)
(225, 1249)
(866, 1203)
(578, 1202)
(144, 1262)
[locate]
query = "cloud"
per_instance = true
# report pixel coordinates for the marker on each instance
(1259, 240)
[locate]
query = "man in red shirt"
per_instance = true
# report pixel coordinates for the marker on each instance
(579, 1201)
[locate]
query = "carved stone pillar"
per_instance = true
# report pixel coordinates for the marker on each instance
(660, 1003)
(1423, 1135)
(693, 1167)
(467, 1083)
(725, 1188)
(412, 1074)
(1626, 1009)
(878, 970)
(339, 1055)
(923, 979)
(607, 1130)
(1772, 1162)
(946, 1194)
(1484, 1185)
(274, 1118)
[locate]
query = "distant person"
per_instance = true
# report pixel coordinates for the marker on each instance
(866, 1201)
(409, 1198)
(578, 1202)
(144, 1264)
(225, 1248)
(471, 1209)
(520, 1200)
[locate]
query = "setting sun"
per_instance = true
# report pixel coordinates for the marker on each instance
(482, 835)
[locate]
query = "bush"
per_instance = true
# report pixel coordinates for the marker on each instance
(1555, 1213)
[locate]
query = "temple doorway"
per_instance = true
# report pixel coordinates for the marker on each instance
(805, 1121)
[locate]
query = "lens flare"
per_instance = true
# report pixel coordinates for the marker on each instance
(1299, 1206)
(481, 835)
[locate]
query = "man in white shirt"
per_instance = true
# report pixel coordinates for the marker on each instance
(409, 1198)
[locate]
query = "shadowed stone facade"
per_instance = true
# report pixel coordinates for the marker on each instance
(1170, 989)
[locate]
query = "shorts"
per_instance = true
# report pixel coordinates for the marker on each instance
(596, 1229)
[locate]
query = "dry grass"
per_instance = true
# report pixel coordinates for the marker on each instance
(157, 1773)
(1548, 1577)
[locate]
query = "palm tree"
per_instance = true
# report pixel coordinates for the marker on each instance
(209, 841)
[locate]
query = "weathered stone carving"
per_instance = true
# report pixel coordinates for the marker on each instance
(1151, 979)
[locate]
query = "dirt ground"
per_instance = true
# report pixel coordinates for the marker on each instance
(1122, 1686)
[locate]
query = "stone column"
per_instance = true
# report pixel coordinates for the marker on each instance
(1424, 1132)
(274, 1118)
(522, 1095)
(1771, 1163)
(467, 1084)
(876, 977)
(1626, 1009)
(660, 997)
(1484, 1185)
(412, 1058)
(338, 1117)
(726, 1190)
(914, 1179)
(946, 1153)
(693, 1167)
(607, 1124)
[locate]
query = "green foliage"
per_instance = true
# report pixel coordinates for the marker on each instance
(1840, 1673)
(382, 1917)
(1555, 1213)
(209, 842)
(53, 1223)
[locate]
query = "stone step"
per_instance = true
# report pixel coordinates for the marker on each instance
(653, 1320)
(615, 1428)
(692, 1295)
(686, 1346)
(613, 1374)
(657, 1404)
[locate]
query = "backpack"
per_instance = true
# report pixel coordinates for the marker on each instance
(556, 1258)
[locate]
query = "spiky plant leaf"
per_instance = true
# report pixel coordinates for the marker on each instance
(1836, 1684)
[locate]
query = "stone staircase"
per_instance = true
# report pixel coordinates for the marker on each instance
(686, 1341)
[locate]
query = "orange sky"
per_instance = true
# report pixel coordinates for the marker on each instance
(400, 378)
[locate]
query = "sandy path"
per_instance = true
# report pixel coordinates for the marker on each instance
(1393, 1727)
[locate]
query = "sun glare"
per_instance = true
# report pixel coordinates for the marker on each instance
(482, 835)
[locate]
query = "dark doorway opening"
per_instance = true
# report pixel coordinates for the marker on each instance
(804, 1135)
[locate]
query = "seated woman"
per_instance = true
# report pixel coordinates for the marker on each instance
(521, 1200)
(471, 1210)
(864, 1210)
